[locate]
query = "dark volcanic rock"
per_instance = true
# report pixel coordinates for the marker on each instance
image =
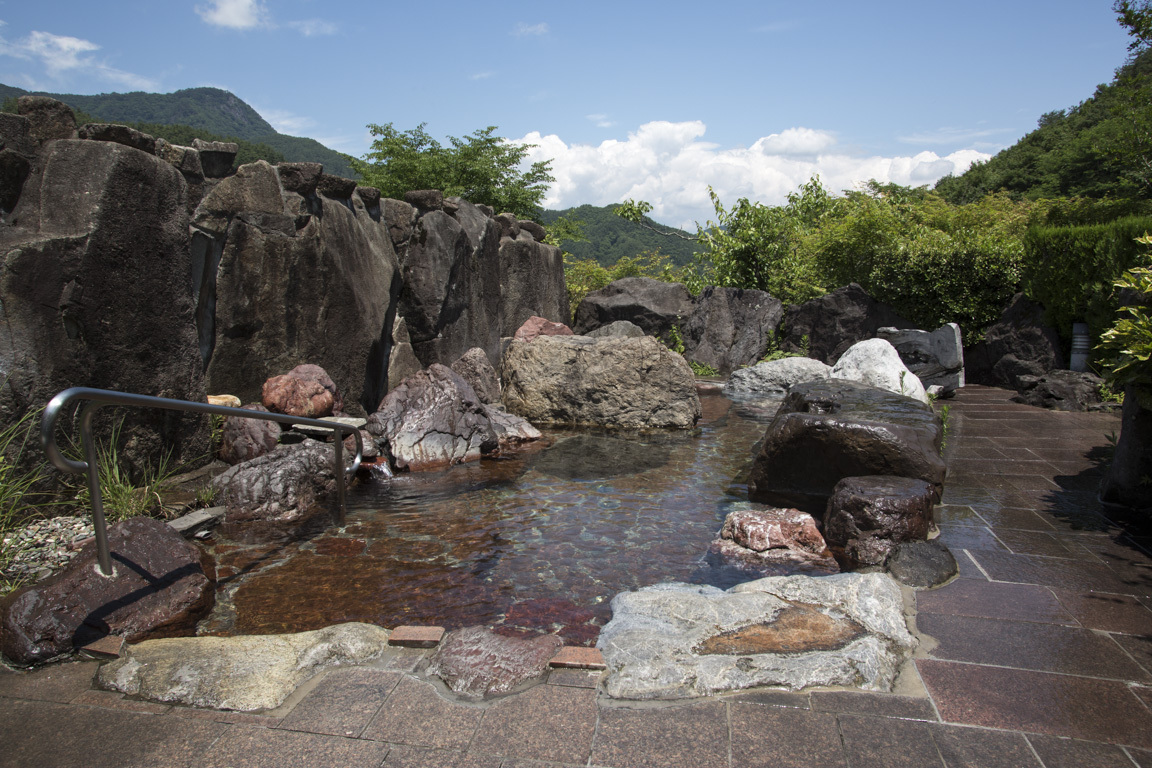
(336, 187)
(476, 662)
(400, 218)
(475, 368)
(825, 327)
(653, 305)
(244, 439)
(868, 516)
(731, 327)
(825, 431)
(120, 134)
(433, 419)
(301, 178)
(1018, 344)
(1059, 390)
(48, 118)
(284, 484)
(216, 157)
(531, 283)
(921, 564)
(935, 357)
(158, 588)
(425, 199)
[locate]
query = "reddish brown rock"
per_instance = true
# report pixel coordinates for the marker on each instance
(476, 662)
(158, 589)
(244, 439)
(284, 484)
(306, 390)
(868, 516)
(772, 542)
(537, 326)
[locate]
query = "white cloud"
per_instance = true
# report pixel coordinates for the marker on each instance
(313, 27)
(287, 122)
(601, 120)
(481, 75)
(234, 14)
(950, 135)
(669, 165)
(62, 55)
(530, 30)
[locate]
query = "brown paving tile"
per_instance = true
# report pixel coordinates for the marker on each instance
(693, 736)
(1111, 613)
(958, 537)
(770, 698)
(343, 702)
(779, 737)
(1028, 645)
(115, 700)
(1003, 517)
(1036, 702)
(1069, 753)
(1037, 543)
(1142, 758)
(875, 742)
(874, 704)
(55, 682)
(1138, 647)
(220, 716)
(402, 659)
(246, 746)
(962, 747)
(48, 734)
(576, 678)
(994, 600)
(966, 567)
(416, 637)
(1000, 466)
(1143, 693)
(404, 756)
(548, 722)
(1051, 572)
(576, 657)
(411, 706)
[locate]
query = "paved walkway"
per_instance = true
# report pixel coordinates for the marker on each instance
(1038, 656)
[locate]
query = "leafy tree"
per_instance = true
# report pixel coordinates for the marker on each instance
(608, 237)
(482, 168)
(1136, 17)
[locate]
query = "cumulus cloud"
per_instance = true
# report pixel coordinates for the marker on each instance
(480, 75)
(287, 122)
(669, 165)
(313, 27)
(601, 121)
(234, 14)
(530, 30)
(61, 55)
(950, 135)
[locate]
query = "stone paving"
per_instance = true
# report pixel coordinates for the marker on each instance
(1038, 656)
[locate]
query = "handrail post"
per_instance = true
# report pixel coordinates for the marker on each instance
(99, 527)
(338, 470)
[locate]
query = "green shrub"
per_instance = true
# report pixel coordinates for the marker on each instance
(1127, 343)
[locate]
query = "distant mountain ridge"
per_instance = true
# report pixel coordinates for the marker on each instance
(210, 109)
(611, 237)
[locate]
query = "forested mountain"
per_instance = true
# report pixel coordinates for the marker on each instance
(1099, 148)
(611, 237)
(222, 114)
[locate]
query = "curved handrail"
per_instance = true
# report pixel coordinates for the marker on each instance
(97, 398)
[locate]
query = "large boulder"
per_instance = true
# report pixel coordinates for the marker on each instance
(244, 439)
(730, 327)
(936, 357)
(577, 380)
(433, 419)
(284, 484)
(826, 431)
(531, 281)
(876, 363)
(306, 390)
(825, 327)
(94, 292)
(1019, 344)
(476, 369)
(1059, 390)
(620, 328)
(775, 377)
(536, 326)
(868, 516)
(158, 587)
(653, 305)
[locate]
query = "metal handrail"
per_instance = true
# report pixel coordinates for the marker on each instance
(97, 398)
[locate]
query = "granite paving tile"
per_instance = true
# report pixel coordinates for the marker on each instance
(1028, 645)
(779, 737)
(55, 682)
(1070, 753)
(1144, 694)
(225, 716)
(403, 659)
(246, 746)
(874, 704)
(548, 722)
(957, 537)
(1001, 517)
(1051, 572)
(411, 706)
(994, 600)
(692, 736)
(1138, 647)
(405, 756)
(343, 703)
(1112, 613)
(1038, 543)
(116, 700)
(771, 698)
(963, 747)
(1037, 702)
(40, 733)
(576, 678)
(1141, 757)
(957, 514)
(966, 566)
(875, 742)
(1000, 466)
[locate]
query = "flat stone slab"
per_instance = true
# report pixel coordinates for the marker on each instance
(674, 641)
(476, 662)
(576, 657)
(245, 673)
(416, 637)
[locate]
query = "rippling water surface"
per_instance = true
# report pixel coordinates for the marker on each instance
(540, 540)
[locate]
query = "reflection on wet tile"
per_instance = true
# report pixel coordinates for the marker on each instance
(1050, 572)
(959, 537)
(994, 600)
(1111, 613)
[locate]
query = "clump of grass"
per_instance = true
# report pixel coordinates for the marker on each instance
(19, 499)
(702, 369)
(123, 499)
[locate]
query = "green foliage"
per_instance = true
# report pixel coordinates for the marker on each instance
(585, 275)
(608, 237)
(775, 353)
(700, 369)
(120, 496)
(19, 499)
(1136, 17)
(1127, 344)
(482, 168)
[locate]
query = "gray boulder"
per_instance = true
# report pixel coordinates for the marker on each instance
(620, 328)
(511, 431)
(775, 377)
(120, 134)
(825, 327)
(576, 380)
(285, 484)
(876, 363)
(216, 157)
(673, 641)
(653, 305)
(936, 357)
(48, 118)
(1059, 390)
(826, 431)
(921, 564)
(730, 327)
(244, 439)
(475, 368)
(1019, 344)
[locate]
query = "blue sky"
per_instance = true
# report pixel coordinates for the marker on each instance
(652, 100)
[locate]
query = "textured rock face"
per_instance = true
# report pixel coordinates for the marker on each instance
(629, 383)
(531, 282)
(772, 542)
(834, 322)
(620, 328)
(826, 431)
(535, 327)
(1018, 344)
(731, 327)
(94, 291)
(1059, 390)
(48, 119)
(475, 368)
(240, 673)
(306, 390)
(245, 439)
(936, 357)
(652, 305)
(921, 564)
(120, 134)
(433, 419)
(876, 363)
(868, 516)
(775, 377)
(158, 587)
(283, 484)
(511, 431)
(673, 641)
(477, 663)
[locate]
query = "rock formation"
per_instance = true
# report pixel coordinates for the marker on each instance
(876, 363)
(654, 306)
(730, 327)
(1020, 343)
(825, 327)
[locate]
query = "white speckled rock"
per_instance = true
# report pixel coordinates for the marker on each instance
(243, 673)
(653, 644)
(775, 376)
(876, 362)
